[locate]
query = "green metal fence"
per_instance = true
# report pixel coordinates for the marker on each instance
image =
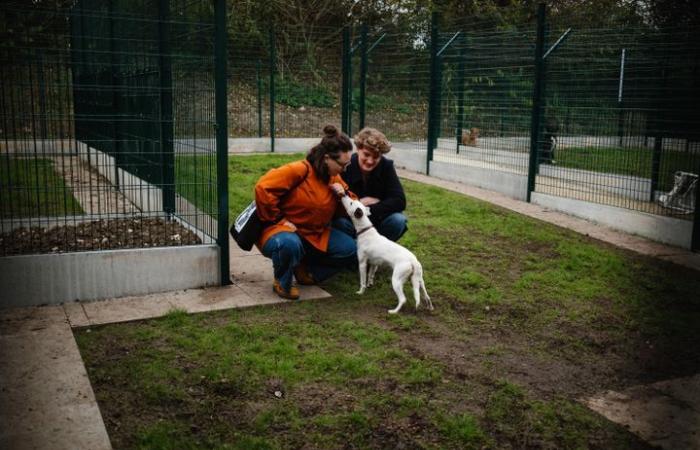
(606, 116)
(287, 83)
(109, 127)
(602, 115)
(623, 107)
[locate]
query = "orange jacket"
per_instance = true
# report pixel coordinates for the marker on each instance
(311, 206)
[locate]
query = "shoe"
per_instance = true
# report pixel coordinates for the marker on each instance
(291, 294)
(303, 276)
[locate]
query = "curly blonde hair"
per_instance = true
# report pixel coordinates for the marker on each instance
(372, 139)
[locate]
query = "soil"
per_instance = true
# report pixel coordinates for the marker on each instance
(308, 121)
(97, 235)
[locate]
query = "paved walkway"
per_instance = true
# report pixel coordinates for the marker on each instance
(47, 401)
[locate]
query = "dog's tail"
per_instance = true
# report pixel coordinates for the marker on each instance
(419, 285)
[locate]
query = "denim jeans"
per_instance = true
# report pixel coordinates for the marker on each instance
(288, 249)
(393, 226)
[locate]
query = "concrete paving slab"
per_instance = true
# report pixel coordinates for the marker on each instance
(19, 320)
(211, 299)
(76, 314)
(46, 397)
(261, 292)
(128, 308)
(252, 268)
(665, 414)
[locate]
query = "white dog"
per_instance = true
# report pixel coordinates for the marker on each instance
(374, 250)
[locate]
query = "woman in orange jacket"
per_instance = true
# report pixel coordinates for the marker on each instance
(301, 199)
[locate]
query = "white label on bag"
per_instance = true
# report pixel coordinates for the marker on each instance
(243, 217)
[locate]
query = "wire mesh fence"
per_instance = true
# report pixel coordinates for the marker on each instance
(397, 82)
(486, 104)
(620, 117)
(108, 107)
(108, 126)
(287, 82)
(607, 116)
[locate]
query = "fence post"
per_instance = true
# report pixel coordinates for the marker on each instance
(620, 104)
(350, 52)
(259, 80)
(166, 108)
(220, 81)
(435, 81)
(84, 134)
(695, 238)
(536, 102)
(363, 76)
(116, 102)
(273, 57)
(344, 87)
(460, 95)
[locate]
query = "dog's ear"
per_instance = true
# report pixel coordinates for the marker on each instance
(358, 213)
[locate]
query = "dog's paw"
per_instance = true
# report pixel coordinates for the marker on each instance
(360, 292)
(391, 311)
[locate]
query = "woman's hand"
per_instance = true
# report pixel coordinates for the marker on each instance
(289, 224)
(369, 201)
(338, 189)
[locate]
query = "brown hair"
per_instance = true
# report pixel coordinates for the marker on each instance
(332, 143)
(372, 139)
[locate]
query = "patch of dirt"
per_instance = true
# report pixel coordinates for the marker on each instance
(109, 234)
(308, 121)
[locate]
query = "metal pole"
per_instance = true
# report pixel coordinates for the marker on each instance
(350, 52)
(434, 86)
(273, 57)
(536, 101)
(620, 110)
(460, 95)
(221, 139)
(363, 76)
(344, 87)
(659, 135)
(695, 238)
(259, 79)
(116, 103)
(166, 108)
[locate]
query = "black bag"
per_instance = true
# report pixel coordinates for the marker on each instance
(247, 227)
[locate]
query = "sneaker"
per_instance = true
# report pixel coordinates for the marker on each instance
(303, 276)
(291, 294)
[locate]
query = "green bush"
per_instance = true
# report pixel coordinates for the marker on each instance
(295, 94)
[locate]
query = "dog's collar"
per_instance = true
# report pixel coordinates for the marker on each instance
(364, 229)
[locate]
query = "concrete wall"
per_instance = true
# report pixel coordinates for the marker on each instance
(404, 158)
(658, 228)
(629, 186)
(145, 196)
(29, 280)
(508, 183)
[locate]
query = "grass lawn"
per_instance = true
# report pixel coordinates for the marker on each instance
(30, 187)
(529, 319)
(627, 161)
(195, 178)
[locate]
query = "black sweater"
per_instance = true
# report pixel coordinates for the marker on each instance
(382, 183)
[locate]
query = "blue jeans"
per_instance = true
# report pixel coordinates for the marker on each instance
(393, 226)
(288, 249)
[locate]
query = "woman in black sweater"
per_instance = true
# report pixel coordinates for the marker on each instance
(372, 177)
